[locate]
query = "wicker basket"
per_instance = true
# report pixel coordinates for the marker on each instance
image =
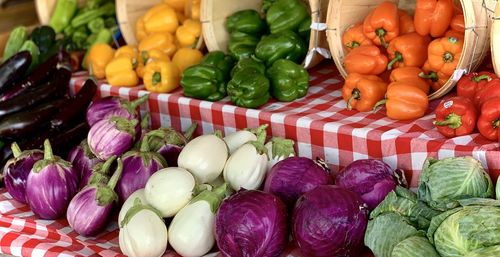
(344, 13)
(214, 13)
(495, 41)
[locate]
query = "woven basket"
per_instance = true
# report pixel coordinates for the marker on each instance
(342, 14)
(215, 12)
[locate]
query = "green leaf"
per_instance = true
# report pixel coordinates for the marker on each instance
(414, 246)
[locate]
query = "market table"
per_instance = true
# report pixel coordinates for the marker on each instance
(320, 124)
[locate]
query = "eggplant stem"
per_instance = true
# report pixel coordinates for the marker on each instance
(16, 150)
(117, 175)
(213, 198)
(105, 167)
(136, 208)
(188, 134)
(218, 133)
(200, 188)
(47, 150)
(452, 120)
(145, 120)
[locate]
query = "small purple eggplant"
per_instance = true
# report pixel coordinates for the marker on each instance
(138, 166)
(114, 106)
(111, 136)
(51, 184)
(169, 143)
(17, 169)
(90, 209)
(83, 161)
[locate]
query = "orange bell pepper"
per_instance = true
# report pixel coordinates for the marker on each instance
(188, 34)
(367, 60)
(408, 50)
(362, 92)
(382, 24)
(410, 74)
(458, 23)
(354, 37)
(404, 101)
(444, 54)
(405, 23)
(160, 18)
(433, 17)
(454, 33)
(160, 41)
(437, 79)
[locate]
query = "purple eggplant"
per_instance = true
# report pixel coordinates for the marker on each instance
(51, 185)
(169, 143)
(83, 161)
(112, 136)
(138, 166)
(114, 106)
(17, 169)
(90, 209)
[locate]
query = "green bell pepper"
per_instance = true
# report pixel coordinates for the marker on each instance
(284, 45)
(203, 82)
(249, 88)
(266, 4)
(304, 29)
(96, 25)
(289, 80)
(17, 37)
(249, 62)
(220, 60)
(61, 17)
(44, 37)
(246, 21)
(242, 45)
(86, 17)
(31, 47)
(286, 15)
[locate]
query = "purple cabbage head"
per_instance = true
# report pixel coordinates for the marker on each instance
(51, 185)
(90, 209)
(111, 137)
(17, 169)
(292, 177)
(114, 106)
(169, 143)
(83, 161)
(251, 224)
(371, 179)
(329, 221)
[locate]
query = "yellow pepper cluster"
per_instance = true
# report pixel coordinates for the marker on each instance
(167, 35)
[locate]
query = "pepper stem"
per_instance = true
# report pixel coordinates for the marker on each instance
(452, 120)
(482, 77)
(16, 150)
(352, 45)
(496, 123)
(47, 151)
(355, 95)
(381, 34)
(432, 76)
(156, 78)
(397, 58)
(378, 104)
(188, 134)
(448, 57)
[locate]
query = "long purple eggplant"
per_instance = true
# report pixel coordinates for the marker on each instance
(13, 69)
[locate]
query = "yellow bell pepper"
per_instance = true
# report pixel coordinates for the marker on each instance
(120, 72)
(161, 77)
(149, 56)
(188, 33)
(99, 56)
(181, 17)
(140, 30)
(160, 41)
(160, 18)
(192, 9)
(187, 57)
(178, 5)
(129, 51)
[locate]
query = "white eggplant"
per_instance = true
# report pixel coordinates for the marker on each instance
(246, 167)
(130, 202)
(278, 149)
(191, 232)
(204, 157)
(170, 189)
(237, 139)
(143, 232)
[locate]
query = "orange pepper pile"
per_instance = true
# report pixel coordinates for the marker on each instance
(403, 57)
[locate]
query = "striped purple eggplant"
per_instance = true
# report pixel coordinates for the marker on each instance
(114, 106)
(138, 166)
(51, 185)
(83, 161)
(112, 136)
(17, 169)
(90, 210)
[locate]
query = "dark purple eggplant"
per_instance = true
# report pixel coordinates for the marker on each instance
(54, 88)
(78, 106)
(13, 69)
(37, 77)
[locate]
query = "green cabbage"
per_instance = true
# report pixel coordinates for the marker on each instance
(444, 182)
(414, 246)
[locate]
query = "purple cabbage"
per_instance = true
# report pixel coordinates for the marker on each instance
(111, 136)
(17, 169)
(114, 106)
(371, 179)
(251, 223)
(138, 166)
(169, 143)
(90, 209)
(83, 161)
(293, 176)
(51, 185)
(329, 221)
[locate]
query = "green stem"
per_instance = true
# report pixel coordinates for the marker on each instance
(145, 120)
(353, 44)
(378, 104)
(496, 123)
(107, 165)
(482, 77)
(106, 194)
(136, 208)
(47, 151)
(432, 76)
(355, 95)
(282, 147)
(145, 143)
(448, 57)
(200, 188)
(452, 120)
(16, 150)
(397, 58)
(134, 104)
(218, 133)
(188, 134)
(381, 34)
(156, 78)
(116, 176)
